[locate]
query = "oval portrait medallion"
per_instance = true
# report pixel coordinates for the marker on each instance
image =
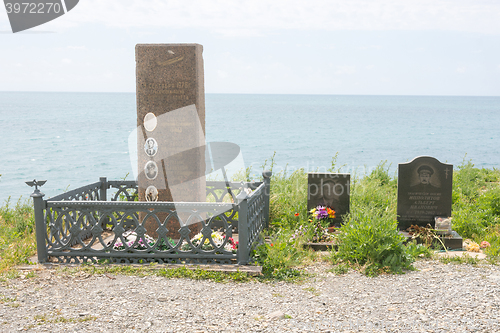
(151, 147)
(150, 121)
(151, 193)
(151, 170)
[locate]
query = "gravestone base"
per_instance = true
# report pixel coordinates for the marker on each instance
(452, 242)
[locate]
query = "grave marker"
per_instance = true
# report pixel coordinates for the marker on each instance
(331, 190)
(424, 191)
(170, 120)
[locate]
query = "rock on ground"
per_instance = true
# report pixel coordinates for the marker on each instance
(436, 298)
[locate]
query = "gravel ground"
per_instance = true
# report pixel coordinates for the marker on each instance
(436, 298)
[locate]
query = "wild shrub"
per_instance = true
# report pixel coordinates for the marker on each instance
(489, 203)
(378, 189)
(288, 197)
(476, 200)
(468, 221)
(17, 234)
(370, 240)
(493, 238)
(418, 250)
(280, 256)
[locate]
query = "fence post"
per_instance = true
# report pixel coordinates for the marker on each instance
(243, 246)
(104, 187)
(40, 227)
(267, 192)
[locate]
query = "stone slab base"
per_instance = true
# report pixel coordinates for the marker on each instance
(453, 242)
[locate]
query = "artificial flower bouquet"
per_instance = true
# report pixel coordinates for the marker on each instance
(322, 215)
(317, 229)
(130, 238)
(218, 239)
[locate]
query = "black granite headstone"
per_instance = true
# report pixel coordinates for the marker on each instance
(331, 190)
(424, 191)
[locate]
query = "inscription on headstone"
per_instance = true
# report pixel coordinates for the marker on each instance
(424, 191)
(330, 190)
(171, 120)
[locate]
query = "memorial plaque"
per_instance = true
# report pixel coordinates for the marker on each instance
(424, 191)
(330, 190)
(170, 120)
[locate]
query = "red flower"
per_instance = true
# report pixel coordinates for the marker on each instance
(296, 214)
(271, 244)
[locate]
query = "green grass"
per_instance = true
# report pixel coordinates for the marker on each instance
(17, 234)
(464, 259)
(169, 273)
(281, 255)
(369, 242)
(55, 317)
(339, 269)
(476, 204)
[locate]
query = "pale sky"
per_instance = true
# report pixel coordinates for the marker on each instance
(376, 47)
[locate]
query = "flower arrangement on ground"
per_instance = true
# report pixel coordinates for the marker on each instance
(317, 229)
(323, 213)
(131, 236)
(218, 240)
(471, 246)
(485, 244)
(322, 218)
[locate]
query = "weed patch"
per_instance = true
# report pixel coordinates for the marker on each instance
(17, 234)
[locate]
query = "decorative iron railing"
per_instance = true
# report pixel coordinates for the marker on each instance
(102, 221)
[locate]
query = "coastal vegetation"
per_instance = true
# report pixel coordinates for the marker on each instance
(17, 233)
(368, 241)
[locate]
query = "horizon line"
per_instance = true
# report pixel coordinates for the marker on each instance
(223, 93)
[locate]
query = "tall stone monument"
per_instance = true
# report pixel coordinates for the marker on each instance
(171, 126)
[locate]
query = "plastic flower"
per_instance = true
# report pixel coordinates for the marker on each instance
(320, 213)
(471, 246)
(229, 247)
(217, 238)
(485, 244)
(331, 212)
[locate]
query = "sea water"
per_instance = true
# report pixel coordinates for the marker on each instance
(72, 139)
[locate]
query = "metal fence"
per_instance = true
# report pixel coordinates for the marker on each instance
(102, 221)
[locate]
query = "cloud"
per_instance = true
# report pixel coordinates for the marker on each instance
(345, 70)
(77, 47)
(222, 74)
(227, 32)
(250, 18)
(370, 47)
